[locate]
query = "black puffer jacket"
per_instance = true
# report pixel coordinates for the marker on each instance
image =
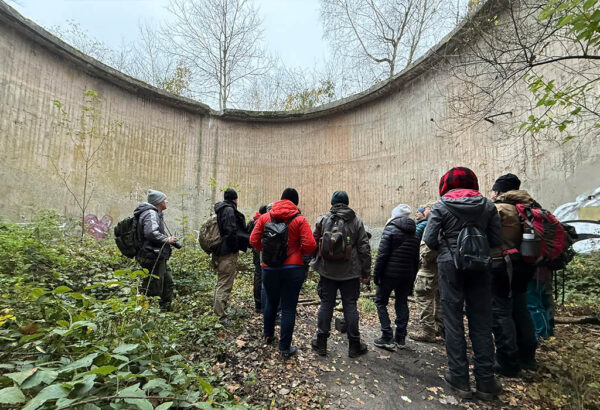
(443, 227)
(151, 229)
(398, 254)
(232, 227)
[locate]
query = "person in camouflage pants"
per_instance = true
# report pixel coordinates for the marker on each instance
(427, 295)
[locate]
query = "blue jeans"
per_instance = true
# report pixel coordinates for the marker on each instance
(282, 285)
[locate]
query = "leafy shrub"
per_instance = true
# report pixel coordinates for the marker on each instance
(582, 280)
(74, 331)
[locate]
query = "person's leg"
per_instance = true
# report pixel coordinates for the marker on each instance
(350, 291)
(291, 283)
(525, 331)
(382, 297)
(479, 314)
(327, 290)
(271, 280)
(503, 326)
(257, 281)
(401, 291)
(451, 285)
(152, 284)
(424, 299)
(167, 289)
(536, 308)
(226, 267)
(437, 308)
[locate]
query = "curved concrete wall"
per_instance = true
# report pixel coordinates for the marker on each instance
(380, 146)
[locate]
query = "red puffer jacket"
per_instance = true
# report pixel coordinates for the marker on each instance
(300, 237)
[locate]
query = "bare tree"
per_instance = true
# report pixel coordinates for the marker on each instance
(220, 42)
(89, 134)
(78, 37)
(385, 36)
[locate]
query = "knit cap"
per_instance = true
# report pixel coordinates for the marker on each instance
(155, 197)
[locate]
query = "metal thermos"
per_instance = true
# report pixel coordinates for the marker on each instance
(530, 245)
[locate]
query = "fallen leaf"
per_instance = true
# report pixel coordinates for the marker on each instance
(406, 399)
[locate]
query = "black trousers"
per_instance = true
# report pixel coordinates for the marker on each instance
(257, 288)
(503, 325)
(159, 282)
(349, 290)
(457, 290)
(402, 288)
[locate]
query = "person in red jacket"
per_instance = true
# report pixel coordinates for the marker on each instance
(284, 283)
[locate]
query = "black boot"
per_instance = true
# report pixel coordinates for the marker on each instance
(488, 390)
(319, 345)
(460, 387)
(356, 348)
(507, 367)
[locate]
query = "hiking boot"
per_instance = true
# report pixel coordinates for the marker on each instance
(488, 390)
(286, 354)
(400, 341)
(319, 345)
(506, 369)
(422, 336)
(460, 387)
(385, 343)
(357, 348)
(528, 363)
(270, 339)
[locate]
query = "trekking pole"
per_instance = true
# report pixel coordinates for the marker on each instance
(555, 277)
(564, 273)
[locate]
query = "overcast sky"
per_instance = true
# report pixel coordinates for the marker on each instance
(292, 28)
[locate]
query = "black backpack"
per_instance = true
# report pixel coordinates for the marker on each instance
(335, 243)
(472, 248)
(275, 242)
(126, 236)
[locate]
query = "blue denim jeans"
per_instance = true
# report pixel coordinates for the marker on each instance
(282, 285)
(541, 309)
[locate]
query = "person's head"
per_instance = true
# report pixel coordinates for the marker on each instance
(230, 195)
(291, 195)
(340, 197)
(262, 209)
(401, 210)
(458, 178)
(420, 213)
(158, 199)
(428, 209)
(505, 183)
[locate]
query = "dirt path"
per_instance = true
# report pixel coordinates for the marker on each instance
(382, 379)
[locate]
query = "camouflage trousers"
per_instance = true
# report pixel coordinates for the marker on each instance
(427, 299)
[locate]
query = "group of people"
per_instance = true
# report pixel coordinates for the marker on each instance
(413, 258)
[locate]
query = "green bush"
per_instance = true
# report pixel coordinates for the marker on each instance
(74, 331)
(582, 280)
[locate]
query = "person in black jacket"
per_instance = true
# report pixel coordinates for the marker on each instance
(257, 288)
(234, 238)
(462, 203)
(395, 269)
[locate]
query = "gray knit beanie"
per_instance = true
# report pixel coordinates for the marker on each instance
(155, 197)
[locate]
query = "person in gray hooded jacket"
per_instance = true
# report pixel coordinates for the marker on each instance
(462, 203)
(344, 274)
(156, 248)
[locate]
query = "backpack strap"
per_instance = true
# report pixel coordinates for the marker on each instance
(287, 223)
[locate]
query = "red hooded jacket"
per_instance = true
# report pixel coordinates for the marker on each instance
(300, 237)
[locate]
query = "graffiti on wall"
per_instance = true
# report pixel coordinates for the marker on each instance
(98, 228)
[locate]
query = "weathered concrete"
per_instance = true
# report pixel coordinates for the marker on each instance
(381, 145)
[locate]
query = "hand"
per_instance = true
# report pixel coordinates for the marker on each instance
(366, 280)
(172, 239)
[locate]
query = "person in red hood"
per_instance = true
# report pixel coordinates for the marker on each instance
(461, 203)
(284, 283)
(256, 260)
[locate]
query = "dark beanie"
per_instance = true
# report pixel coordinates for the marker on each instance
(291, 195)
(458, 177)
(230, 194)
(340, 197)
(507, 183)
(262, 209)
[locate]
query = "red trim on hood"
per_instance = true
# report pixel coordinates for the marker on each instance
(461, 193)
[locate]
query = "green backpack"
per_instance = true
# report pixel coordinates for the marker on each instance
(209, 236)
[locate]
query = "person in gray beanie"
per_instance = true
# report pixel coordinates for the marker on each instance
(155, 250)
